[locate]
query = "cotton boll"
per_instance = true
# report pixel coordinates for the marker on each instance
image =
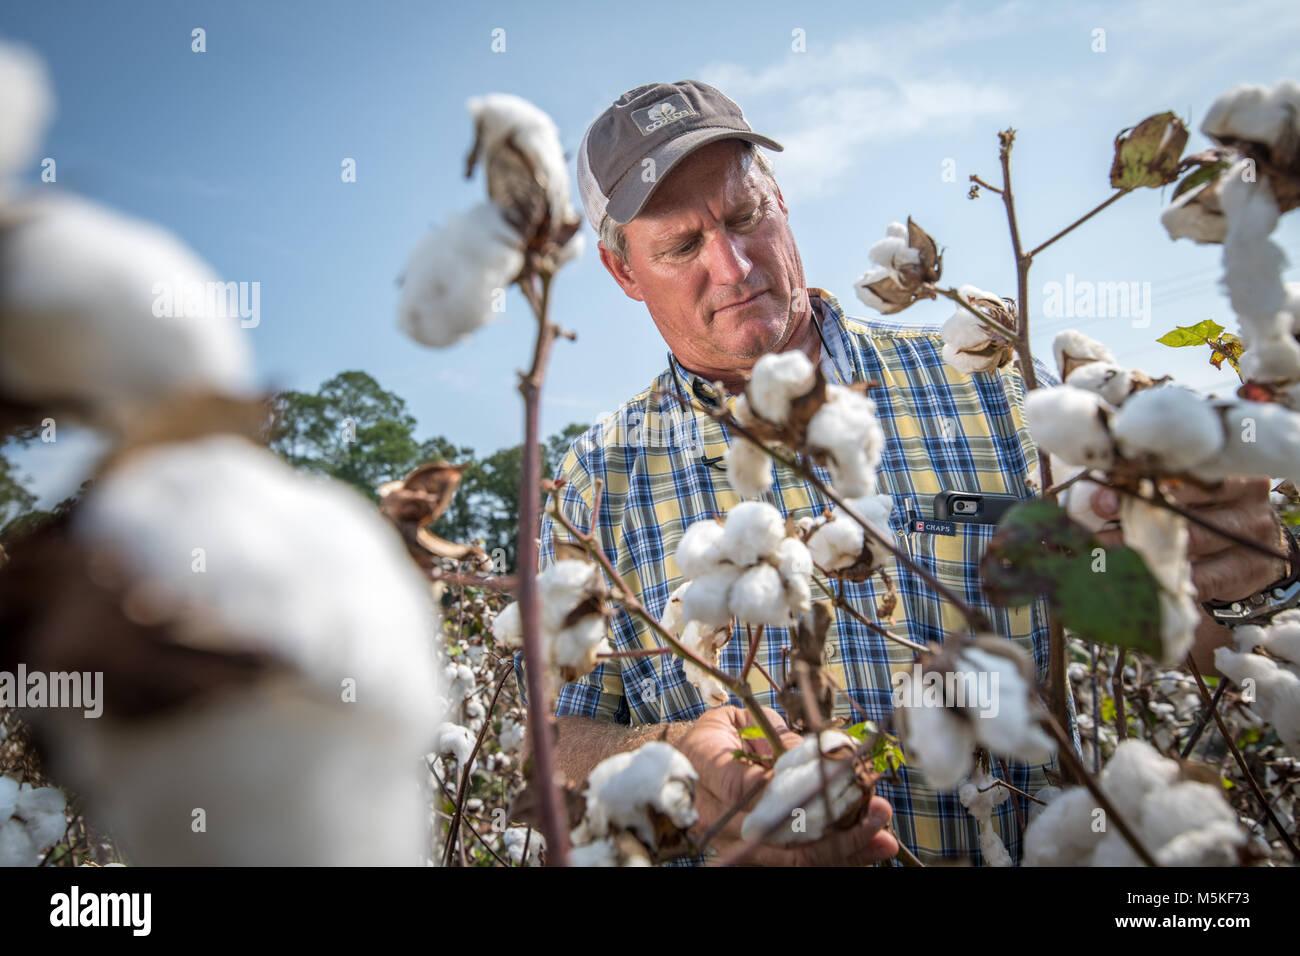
(508, 628)
(749, 468)
(99, 308)
(704, 644)
(753, 530)
(1254, 114)
(622, 789)
(795, 774)
(980, 794)
(758, 597)
(574, 649)
(563, 586)
(1260, 438)
(868, 298)
(1046, 795)
(1112, 382)
(514, 839)
(1114, 850)
(512, 735)
(1062, 833)
(455, 741)
(1009, 727)
(939, 743)
(964, 334)
(1160, 536)
(1070, 423)
(1252, 263)
(1213, 845)
(707, 599)
(1073, 349)
(1135, 770)
(31, 821)
(671, 621)
(1277, 691)
(456, 273)
(1183, 807)
(776, 380)
(700, 550)
(836, 544)
(893, 252)
(1197, 215)
(795, 564)
(1175, 426)
(846, 432)
(26, 104)
(502, 117)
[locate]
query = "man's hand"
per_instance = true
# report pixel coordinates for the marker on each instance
(1221, 570)
(724, 780)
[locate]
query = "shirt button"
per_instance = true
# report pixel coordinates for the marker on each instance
(830, 652)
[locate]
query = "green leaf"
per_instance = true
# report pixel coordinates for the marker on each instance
(863, 730)
(1227, 784)
(1199, 177)
(1119, 606)
(1107, 709)
(1185, 335)
(1034, 545)
(751, 733)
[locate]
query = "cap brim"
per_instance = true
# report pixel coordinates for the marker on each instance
(631, 194)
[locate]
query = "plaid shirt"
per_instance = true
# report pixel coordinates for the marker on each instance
(662, 470)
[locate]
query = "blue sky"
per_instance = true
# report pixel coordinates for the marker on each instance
(238, 150)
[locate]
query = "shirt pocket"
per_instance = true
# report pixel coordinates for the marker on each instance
(954, 559)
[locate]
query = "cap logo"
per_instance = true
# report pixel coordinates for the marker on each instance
(667, 111)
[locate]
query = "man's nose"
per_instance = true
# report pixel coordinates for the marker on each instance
(726, 260)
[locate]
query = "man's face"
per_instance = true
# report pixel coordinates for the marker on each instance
(713, 258)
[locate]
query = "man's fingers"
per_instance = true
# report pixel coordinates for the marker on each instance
(1234, 574)
(1253, 524)
(1236, 488)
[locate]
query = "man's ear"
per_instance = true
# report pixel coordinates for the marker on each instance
(780, 200)
(618, 268)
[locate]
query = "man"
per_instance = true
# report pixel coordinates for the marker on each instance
(693, 224)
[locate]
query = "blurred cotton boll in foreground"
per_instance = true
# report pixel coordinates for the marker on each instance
(457, 276)
(268, 655)
(26, 105)
(104, 311)
(31, 820)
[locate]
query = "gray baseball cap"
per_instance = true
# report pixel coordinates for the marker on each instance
(663, 122)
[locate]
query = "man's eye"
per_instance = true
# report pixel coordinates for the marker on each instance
(752, 218)
(684, 249)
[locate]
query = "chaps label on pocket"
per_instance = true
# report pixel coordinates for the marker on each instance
(931, 526)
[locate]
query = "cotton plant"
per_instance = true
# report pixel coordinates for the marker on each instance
(1266, 662)
(796, 785)
(256, 627)
(455, 278)
(980, 793)
(647, 796)
(574, 622)
(32, 819)
(940, 736)
(970, 343)
(1179, 820)
(904, 261)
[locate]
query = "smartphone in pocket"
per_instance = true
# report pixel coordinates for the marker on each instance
(974, 507)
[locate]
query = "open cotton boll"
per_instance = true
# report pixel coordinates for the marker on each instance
(795, 774)
(1069, 422)
(507, 627)
(99, 308)
(1112, 382)
(456, 276)
(1072, 349)
(26, 104)
(1260, 438)
(514, 839)
(777, 380)
(863, 288)
(749, 468)
(574, 649)
(1277, 691)
(837, 543)
(563, 586)
(700, 549)
(671, 620)
(499, 117)
(1062, 833)
(845, 430)
(892, 251)
(31, 821)
(964, 334)
(707, 599)
(1184, 807)
(1135, 770)
(512, 735)
(704, 644)
(758, 597)
(1255, 114)
(795, 564)
(455, 741)
(1160, 536)
(1008, 727)
(622, 790)
(1170, 425)
(303, 570)
(1197, 215)
(980, 794)
(1215, 844)
(939, 743)
(753, 530)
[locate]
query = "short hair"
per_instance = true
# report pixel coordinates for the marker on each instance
(613, 234)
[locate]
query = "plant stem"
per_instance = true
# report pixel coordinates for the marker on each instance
(553, 812)
(1078, 222)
